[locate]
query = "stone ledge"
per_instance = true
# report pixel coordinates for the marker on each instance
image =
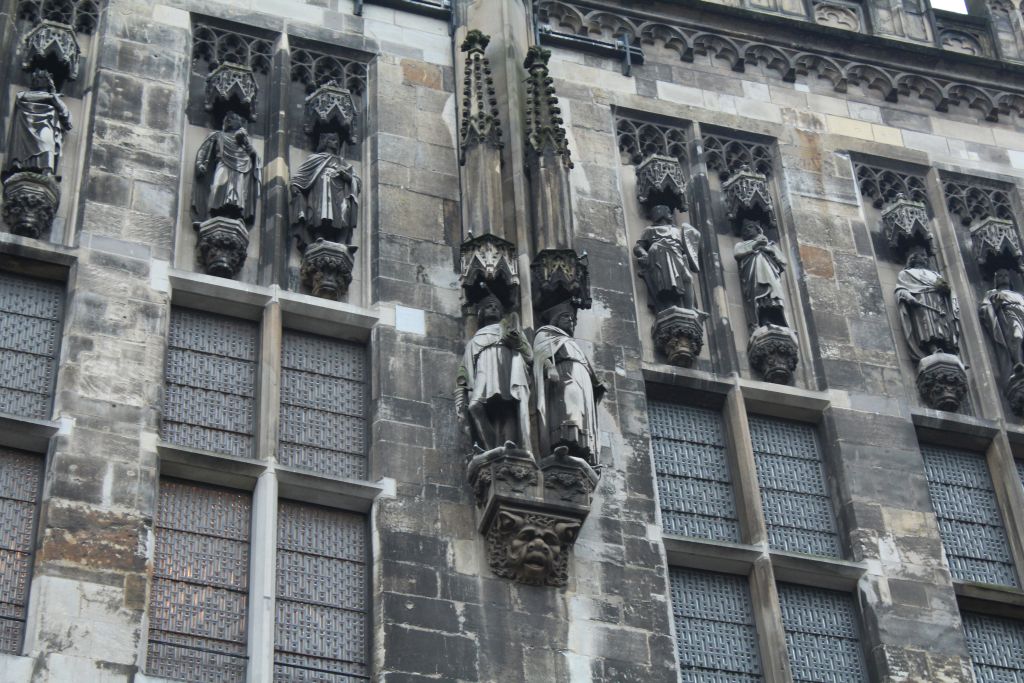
(719, 556)
(990, 599)
(952, 429)
(25, 433)
(208, 467)
(813, 570)
(335, 492)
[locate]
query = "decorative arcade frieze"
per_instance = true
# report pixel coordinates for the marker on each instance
(528, 406)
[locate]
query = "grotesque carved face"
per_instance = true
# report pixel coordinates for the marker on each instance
(534, 547)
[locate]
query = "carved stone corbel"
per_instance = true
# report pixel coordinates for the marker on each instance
(30, 203)
(773, 352)
(221, 246)
(679, 334)
(531, 547)
(327, 268)
(942, 381)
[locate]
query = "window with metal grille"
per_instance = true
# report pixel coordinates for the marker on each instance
(694, 486)
(320, 626)
(970, 524)
(199, 599)
(30, 329)
(20, 476)
(822, 635)
(715, 633)
(796, 503)
(1020, 471)
(209, 401)
(323, 405)
(996, 645)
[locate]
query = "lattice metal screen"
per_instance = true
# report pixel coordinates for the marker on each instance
(996, 645)
(320, 625)
(198, 605)
(323, 405)
(30, 329)
(20, 475)
(968, 514)
(822, 636)
(209, 400)
(717, 639)
(694, 487)
(797, 507)
(1020, 471)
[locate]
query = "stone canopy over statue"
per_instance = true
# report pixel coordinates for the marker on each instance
(38, 126)
(566, 387)
(227, 174)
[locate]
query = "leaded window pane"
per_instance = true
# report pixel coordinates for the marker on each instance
(323, 405)
(715, 632)
(209, 401)
(968, 514)
(797, 507)
(822, 635)
(198, 604)
(996, 645)
(20, 475)
(320, 630)
(30, 329)
(694, 486)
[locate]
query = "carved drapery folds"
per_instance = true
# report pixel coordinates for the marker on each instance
(325, 193)
(530, 508)
(39, 124)
(986, 210)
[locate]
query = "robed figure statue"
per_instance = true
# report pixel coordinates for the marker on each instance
(227, 173)
(566, 387)
(493, 385)
(667, 257)
(761, 267)
(929, 311)
(325, 192)
(1002, 312)
(38, 125)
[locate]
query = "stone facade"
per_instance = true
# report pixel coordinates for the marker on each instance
(232, 400)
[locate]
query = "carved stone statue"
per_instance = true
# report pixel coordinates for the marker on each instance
(532, 548)
(38, 126)
(566, 387)
(929, 311)
(325, 192)
(493, 385)
(227, 171)
(667, 258)
(1002, 312)
(761, 267)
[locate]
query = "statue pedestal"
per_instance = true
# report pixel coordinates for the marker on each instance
(30, 203)
(327, 268)
(1014, 392)
(774, 353)
(942, 381)
(222, 245)
(679, 334)
(529, 515)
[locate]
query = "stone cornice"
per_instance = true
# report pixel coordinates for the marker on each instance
(797, 50)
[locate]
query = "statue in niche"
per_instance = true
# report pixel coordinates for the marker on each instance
(929, 311)
(325, 192)
(1002, 312)
(761, 267)
(668, 259)
(566, 387)
(227, 174)
(493, 385)
(38, 126)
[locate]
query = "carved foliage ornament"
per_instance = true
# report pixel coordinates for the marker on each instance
(480, 122)
(531, 547)
(660, 180)
(747, 197)
(905, 225)
(545, 134)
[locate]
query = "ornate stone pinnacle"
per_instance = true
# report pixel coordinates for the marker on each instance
(679, 334)
(774, 353)
(659, 180)
(905, 225)
(481, 124)
(747, 197)
(30, 203)
(545, 134)
(942, 381)
(327, 268)
(53, 47)
(231, 87)
(222, 245)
